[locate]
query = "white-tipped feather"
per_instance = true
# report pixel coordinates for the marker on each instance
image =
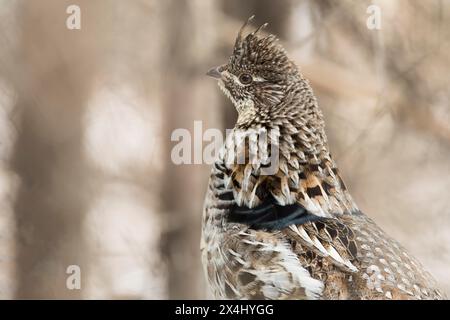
(336, 256)
(302, 233)
(319, 246)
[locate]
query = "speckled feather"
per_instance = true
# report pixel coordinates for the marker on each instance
(336, 252)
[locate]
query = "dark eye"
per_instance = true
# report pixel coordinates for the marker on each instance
(245, 78)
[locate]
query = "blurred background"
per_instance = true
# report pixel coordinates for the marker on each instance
(86, 118)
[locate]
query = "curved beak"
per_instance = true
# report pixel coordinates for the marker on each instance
(215, 72)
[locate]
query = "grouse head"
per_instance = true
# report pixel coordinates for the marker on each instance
(259, 77)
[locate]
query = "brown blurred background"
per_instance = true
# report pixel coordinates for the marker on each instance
(86, 118)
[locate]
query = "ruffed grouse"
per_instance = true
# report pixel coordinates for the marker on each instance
(278, 221)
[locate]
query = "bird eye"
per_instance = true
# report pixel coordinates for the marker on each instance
(245, 78)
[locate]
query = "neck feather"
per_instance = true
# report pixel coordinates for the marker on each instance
(303, 170)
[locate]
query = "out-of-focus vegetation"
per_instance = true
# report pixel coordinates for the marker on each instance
(86, 118)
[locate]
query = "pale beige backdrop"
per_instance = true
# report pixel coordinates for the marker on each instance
(86, 118)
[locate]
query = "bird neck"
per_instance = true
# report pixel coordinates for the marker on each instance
(311, 173)
(301, 168)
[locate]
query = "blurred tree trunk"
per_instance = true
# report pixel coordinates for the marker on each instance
(124, 146)
(191, 26)
(52, 77)
(7, 136)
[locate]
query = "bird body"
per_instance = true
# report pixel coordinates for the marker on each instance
(278, 220)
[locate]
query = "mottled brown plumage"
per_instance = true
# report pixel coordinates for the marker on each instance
(278, 221)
